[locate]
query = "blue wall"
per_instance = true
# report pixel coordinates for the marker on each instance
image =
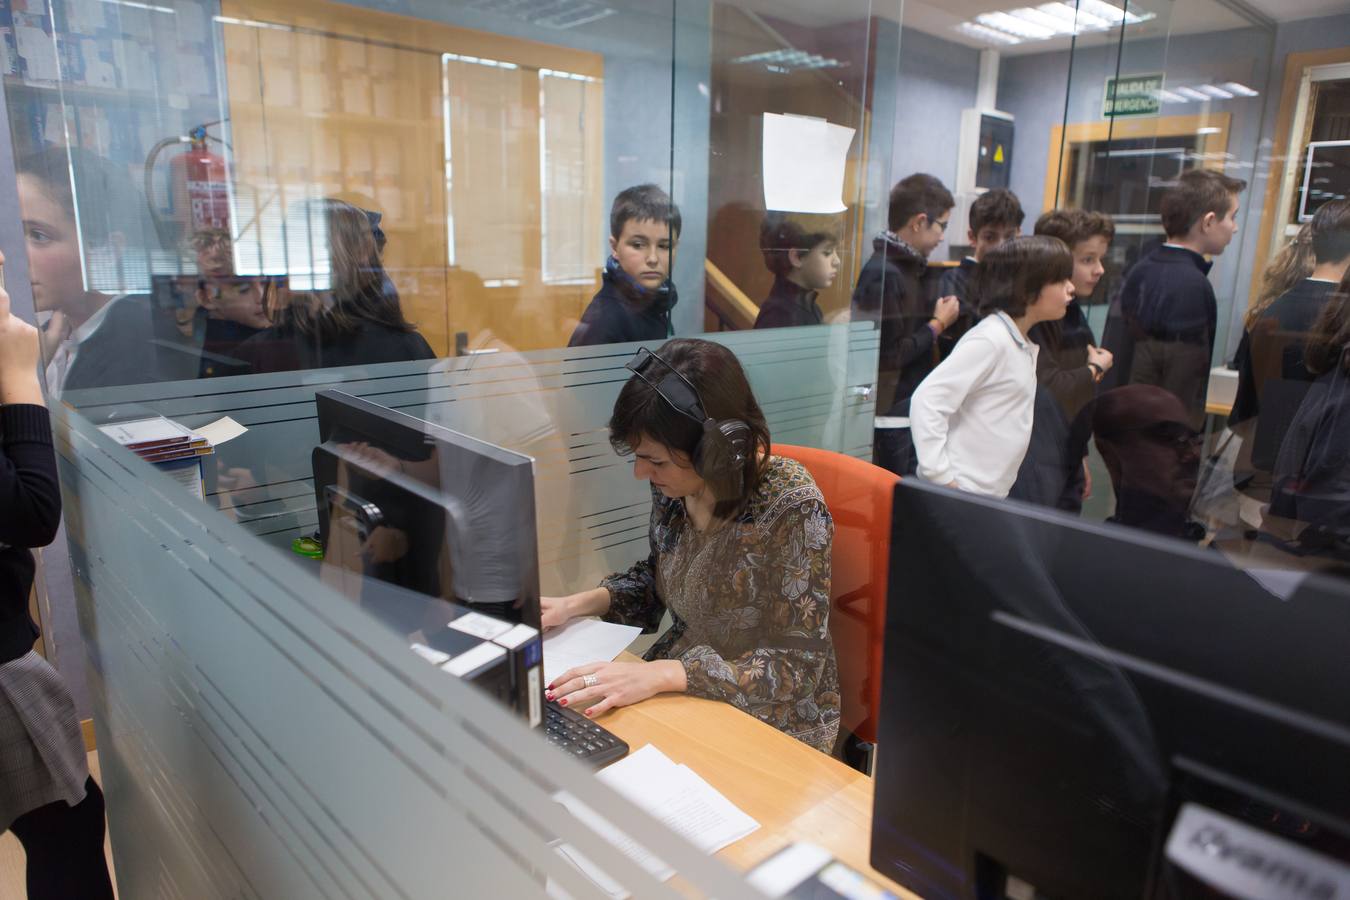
(937, 80)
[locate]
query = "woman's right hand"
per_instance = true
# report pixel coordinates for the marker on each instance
(553, 612)
(556, 611)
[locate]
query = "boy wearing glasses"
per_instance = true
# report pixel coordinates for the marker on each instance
(892, 291)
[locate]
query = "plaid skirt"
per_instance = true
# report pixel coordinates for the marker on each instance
(42, 756)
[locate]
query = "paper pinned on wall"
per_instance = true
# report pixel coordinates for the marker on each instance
(804, 161)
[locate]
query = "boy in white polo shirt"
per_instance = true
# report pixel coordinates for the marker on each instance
(971, 417)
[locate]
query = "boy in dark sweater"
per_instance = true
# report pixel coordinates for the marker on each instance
(1167, 302)
(995, 216)
(891, 291)
(636, 295)
(802, 252)
(1068, 369)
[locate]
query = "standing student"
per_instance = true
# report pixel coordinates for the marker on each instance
(891, 291)
(93, 338)
(971, 417)
(355, 321)
(802, 252)
(636, 294)
(1069, 367)
(46, 795)
(1277, 329)
(1167, 301)
(995, 216)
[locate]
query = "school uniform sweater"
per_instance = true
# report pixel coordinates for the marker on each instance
(971, 417)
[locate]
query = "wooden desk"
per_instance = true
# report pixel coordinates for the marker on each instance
(796, 793)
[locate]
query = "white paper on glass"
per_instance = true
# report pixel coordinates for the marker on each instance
(804, 161)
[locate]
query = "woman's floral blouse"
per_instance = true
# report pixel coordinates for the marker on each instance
(749, 602)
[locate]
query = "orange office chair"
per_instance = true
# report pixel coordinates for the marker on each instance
(858, 495)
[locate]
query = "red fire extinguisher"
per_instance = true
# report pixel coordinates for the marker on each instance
(200, 193)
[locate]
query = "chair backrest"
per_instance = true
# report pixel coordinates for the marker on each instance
(859, 497)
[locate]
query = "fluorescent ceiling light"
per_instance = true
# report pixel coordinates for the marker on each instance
(1043, 19)
(1013, 25)
(1240, 89)
(1048, 20)
(790, 58)
(1215, 92)
(1193, 94)
(1111, 13)
(988, 35)
(1209, 129)
(1171, 97)
(1079, 19)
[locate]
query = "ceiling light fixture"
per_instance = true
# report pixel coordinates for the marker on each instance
(1079, 19)
(1240, 89)
(1049, 20)
(1112, 13)
(1215, 92)
(1171, 97)
(1012, 25)
(988, 35)
(1193, 94)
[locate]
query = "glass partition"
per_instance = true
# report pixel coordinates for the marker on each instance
(477, 221)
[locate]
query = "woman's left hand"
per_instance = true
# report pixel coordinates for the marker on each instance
(616, 684)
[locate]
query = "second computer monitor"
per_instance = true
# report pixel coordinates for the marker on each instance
(438, 512)
(1081, 710)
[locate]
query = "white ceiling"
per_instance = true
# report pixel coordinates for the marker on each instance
(1289, 10)
(939, 17)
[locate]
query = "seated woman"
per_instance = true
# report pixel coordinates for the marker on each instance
(740, 556)
(357, 321)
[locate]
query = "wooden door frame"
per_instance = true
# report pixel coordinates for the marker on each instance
(1213, 145)
(1294, 67)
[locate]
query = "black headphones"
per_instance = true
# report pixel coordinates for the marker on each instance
(721, 452)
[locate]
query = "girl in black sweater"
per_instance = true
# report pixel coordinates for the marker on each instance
(46, 795)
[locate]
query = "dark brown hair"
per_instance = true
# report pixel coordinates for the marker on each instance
(1195, 194)
(1013, 273)
(1293, 263)
(1331, 231)
(644, 203)
(999, 208)
(1329, 337)
(782, 233)
(1075, 225)
(919, 193)
(360, 290)
(716, 374)
(110, 201)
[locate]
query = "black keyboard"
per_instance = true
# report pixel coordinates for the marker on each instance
(571, 732)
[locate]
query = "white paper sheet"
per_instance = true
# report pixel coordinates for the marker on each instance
(804, 159)
(221, 430)
(584, 641)
(673, 794)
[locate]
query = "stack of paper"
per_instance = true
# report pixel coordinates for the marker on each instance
(584, 641)
(170, 447)
(173, 448)
(673, 794)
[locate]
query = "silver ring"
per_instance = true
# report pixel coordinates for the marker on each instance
(590, 680)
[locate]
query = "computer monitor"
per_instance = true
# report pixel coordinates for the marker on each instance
(433, 511)
(1082, 710)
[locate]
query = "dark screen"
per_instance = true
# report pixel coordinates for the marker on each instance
(1054, 690)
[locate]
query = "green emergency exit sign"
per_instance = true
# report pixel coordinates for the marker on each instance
(1133, 95)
